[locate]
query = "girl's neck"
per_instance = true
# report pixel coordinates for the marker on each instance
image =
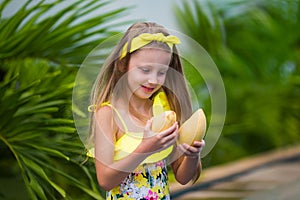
(136, 110)
(142, 106)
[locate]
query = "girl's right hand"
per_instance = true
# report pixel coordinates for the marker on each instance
(153, 142)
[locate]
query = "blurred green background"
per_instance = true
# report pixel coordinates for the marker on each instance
(255, 45)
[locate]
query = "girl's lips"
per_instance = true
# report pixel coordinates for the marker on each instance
(147, 89)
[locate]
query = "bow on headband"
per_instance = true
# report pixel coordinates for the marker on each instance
(145, 38)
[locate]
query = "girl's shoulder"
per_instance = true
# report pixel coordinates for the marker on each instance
(108, 114)
(107, 109)
(104, 110)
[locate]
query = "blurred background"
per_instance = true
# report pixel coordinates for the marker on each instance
(255, 45)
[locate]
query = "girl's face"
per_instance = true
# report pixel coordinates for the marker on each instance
(147, 71)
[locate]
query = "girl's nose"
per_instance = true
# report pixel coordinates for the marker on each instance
(153, 78)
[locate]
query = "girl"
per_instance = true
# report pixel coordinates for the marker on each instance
(131, 161)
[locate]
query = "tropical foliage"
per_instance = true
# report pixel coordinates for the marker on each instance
(40, 52)
(255, 45)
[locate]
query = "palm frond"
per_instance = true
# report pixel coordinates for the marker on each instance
(30, 122)
(34, 31)
(38, 138)
(255, 45)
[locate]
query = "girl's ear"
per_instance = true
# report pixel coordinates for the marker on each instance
(121, 65)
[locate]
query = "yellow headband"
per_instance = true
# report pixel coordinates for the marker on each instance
(145, 38)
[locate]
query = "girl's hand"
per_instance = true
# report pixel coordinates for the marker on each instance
(192, 151)
(153, 142)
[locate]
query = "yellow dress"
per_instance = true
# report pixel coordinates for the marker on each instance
(150, 179)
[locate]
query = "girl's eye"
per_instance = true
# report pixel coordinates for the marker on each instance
(145, 70)
(162, 73)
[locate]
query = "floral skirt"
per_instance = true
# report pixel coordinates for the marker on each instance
(148, 181)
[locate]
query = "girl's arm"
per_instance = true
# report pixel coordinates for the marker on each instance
(110, 173)
(188, 166)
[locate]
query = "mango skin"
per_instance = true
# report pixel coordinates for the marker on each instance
(163, 121)
(193, 129)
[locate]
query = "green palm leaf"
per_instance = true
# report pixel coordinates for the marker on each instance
(255, 45)
(33, 133)
(60, 37)
(38, 139)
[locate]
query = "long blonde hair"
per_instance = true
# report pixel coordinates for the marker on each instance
(114, 68)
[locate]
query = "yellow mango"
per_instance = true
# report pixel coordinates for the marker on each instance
(163, 121)
(193, 129)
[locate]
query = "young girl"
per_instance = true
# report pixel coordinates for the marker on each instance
(131, 160)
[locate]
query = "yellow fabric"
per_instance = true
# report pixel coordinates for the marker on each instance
(160, 103)
(145, 38)
(128, 142)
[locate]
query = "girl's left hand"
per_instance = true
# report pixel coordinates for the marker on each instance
(192, 151)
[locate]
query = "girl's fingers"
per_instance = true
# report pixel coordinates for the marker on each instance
(202, 145)
(186, 152)
(147, 129)
(170, 135)
(181, 148)
(191, 148)
(170, 130)
(194, 150)
(199, 143)
(161, 140)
